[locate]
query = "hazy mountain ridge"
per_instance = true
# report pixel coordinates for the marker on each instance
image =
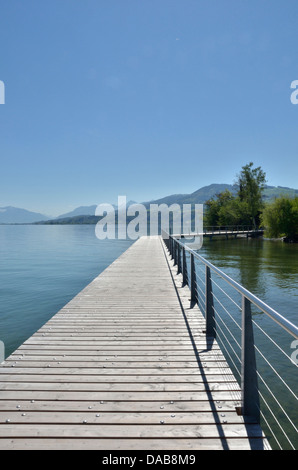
(82, 210)
(12, 215)
(86, 214)
(197, 197)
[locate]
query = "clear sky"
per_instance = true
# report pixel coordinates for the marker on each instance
(143, 98)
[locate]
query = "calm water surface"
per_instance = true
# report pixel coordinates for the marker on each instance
(42, 267)
(269, 269)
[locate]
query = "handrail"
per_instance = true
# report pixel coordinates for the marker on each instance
(224, 229)
(282, 321)
(201, 293)
(232, 228)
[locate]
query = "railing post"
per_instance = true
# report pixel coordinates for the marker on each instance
(209, 310)
(193, 281)
(250, 400)
(185, 276)
(175, 251)
(179, 270)
(171, 246)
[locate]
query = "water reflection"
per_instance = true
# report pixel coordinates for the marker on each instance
(266, 268)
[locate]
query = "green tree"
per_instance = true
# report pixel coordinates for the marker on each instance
(214, 206)
(234, 212)
(226, 209)
(251, 182)
(280, 218)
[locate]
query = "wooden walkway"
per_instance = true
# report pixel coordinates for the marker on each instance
(222, 233)
(124, 365)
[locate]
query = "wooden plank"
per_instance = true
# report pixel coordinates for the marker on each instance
(109, 342)
(123, 387)
(116, 359)
(170, 406)
(165, 364)
(148, 445)
(91, 347)
(95, 417)
(194, 372)
(121, 355)
(114, 396)
(71, 378)
(134, 431)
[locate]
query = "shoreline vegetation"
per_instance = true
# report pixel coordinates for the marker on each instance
(279, 218)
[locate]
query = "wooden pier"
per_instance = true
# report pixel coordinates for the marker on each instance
(125, 365)
(228, 232)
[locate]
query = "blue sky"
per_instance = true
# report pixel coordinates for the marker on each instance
(143, 98)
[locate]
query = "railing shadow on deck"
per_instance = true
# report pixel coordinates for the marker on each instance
(239, 321)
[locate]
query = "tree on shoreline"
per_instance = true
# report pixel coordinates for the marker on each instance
(243, 209)
(280, 218)
(251, 182)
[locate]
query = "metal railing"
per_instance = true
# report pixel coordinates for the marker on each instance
(227, 230)
(231, 314)
(231, 229)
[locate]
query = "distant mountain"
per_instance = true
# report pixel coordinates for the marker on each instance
(207, 192)
(198, 197)
(15, 215)
(86, 210)
(272, 192)
(82, 210)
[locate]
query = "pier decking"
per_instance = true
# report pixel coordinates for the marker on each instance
(124, 365)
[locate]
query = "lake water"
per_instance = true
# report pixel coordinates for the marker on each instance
(42, 267)
(267, 268)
